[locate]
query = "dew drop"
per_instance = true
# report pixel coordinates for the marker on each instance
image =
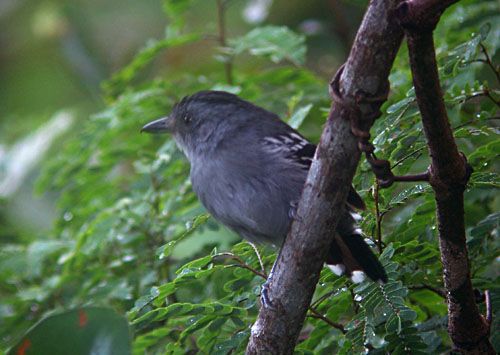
(68, 216)
(128, 258)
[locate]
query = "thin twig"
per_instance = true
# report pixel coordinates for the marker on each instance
(409, 155)
(228, 65)
(472, 121)
(322, 298)
(413, 177)
(378, 217)
(489, 62)
(318, 315)
(485, 93)
(242, 264)
(247, 267)
(262, 268)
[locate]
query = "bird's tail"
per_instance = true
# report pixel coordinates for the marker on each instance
(350, 255)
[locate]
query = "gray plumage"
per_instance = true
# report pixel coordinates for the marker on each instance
(248, 169)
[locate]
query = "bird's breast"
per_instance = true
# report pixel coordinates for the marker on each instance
(248, 199)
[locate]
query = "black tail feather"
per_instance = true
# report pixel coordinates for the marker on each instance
(349, 253)
(365, 257)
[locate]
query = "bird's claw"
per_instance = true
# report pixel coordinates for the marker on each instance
(292, 212)
(264, 296)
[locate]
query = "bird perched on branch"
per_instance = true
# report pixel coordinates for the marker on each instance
(248, 169)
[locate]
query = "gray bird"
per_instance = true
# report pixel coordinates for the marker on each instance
(248, 169)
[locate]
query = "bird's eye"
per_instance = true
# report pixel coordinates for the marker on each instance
(187, 119)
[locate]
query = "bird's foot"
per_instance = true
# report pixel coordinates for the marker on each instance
(292, 212)
(264, 295)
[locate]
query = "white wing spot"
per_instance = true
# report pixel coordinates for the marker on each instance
(272, 140)
(290, 146)
(286, 139)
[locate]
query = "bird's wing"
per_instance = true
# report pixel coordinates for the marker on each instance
(292, 146)
(299, 150)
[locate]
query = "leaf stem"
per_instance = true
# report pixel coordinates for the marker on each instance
(262, 268)
(489, 62)
(242, 264)
(318, 315)
(378, 217)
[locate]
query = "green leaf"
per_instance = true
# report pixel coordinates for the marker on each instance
(485, 180)
(393, 324)
(400, 105)
(484, 31)
(227, 346)
(39, 251)
(482, 156)
(195, 324)
(277, 43)
(299, 116)
(174, 8)
(121, 79)
(409, 194)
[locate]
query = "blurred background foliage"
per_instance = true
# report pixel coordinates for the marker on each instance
(114, 222)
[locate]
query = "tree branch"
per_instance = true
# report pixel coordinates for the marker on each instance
(296, 271)
(422, 15)
(448, 176)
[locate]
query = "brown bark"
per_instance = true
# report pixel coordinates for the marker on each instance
(449, 173)
(297, 268)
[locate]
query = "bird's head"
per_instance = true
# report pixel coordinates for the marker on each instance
(201, 121)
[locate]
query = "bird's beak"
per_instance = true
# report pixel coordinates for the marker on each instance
(162, 125)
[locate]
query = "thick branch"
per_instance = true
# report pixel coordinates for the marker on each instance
(449, 173)
(297, 268)
(422, 14)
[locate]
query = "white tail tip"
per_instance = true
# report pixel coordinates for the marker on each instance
(337, 269)
(358, 276)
